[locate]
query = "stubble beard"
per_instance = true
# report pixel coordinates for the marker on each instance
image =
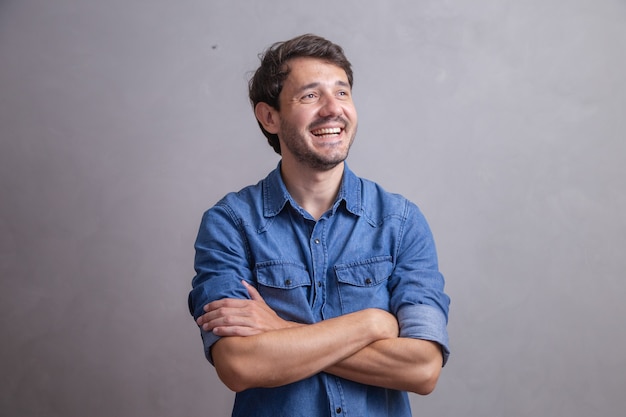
(305, 155)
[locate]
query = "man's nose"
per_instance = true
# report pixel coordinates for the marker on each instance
(331, 107)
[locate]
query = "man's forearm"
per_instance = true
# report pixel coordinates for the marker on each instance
(287, 355)
(397, 363)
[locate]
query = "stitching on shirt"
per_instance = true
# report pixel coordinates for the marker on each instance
(239, 223)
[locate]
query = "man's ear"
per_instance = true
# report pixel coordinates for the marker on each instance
(267, 116)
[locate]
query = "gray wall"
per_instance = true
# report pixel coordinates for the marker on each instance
(122, 121)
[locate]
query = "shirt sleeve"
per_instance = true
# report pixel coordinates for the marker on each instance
(220, 264)
(417, 287)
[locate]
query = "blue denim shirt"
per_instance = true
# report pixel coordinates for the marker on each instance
(371, 249)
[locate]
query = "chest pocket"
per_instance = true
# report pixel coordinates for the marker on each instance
(363, 284)
(285, 287)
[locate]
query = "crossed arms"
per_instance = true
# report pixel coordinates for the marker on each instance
(260, 349)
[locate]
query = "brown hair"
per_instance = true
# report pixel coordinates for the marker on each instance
(267, 82)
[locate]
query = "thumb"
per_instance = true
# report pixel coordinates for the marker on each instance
(254, 294)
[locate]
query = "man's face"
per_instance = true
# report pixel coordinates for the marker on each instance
(318, 120)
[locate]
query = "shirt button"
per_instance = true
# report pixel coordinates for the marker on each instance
(368, 281)
(287, 282)
(317, 241)
(319, 283)
(338, 410)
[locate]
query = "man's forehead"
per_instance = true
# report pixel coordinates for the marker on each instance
(305, 70)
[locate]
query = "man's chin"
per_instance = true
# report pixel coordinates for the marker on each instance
(325, 164)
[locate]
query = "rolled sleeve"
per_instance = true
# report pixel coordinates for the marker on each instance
(220, 265)
(208, 339)
(425, 322)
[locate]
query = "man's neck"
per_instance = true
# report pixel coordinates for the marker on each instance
(315, 191)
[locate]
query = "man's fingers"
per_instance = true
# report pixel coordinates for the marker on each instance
(209, 322)
(226, 302)
(254, 294)
(241, 317)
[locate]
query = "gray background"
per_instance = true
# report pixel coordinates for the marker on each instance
(122, 121)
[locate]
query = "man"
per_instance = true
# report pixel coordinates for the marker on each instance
(317, 292)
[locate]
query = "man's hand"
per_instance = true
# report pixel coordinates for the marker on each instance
(237, 317)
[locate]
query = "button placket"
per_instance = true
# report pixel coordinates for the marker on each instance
(318, 257)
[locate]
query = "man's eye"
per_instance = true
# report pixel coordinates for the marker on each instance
(309, 97)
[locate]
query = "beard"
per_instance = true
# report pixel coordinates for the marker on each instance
(324, 159)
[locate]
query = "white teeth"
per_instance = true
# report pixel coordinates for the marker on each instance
(327, 131)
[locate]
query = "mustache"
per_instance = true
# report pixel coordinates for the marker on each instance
(326, 120)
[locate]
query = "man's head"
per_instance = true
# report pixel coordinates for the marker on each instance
(267, 82)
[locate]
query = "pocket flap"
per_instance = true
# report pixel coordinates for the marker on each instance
(283, 275)
(367, 273)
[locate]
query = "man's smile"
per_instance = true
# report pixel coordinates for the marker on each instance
(327, 131)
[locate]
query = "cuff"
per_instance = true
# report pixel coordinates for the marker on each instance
(208, 339)
(422, 321)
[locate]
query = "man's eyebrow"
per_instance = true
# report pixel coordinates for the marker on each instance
(308, 86)
(338, 83)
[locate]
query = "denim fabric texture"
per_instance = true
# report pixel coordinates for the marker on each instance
(371, 249)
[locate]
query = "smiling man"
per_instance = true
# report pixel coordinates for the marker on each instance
(317, 292)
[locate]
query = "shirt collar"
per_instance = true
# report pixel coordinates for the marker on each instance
(275, 194)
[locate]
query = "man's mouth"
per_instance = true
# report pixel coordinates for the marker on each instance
(327, 131)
